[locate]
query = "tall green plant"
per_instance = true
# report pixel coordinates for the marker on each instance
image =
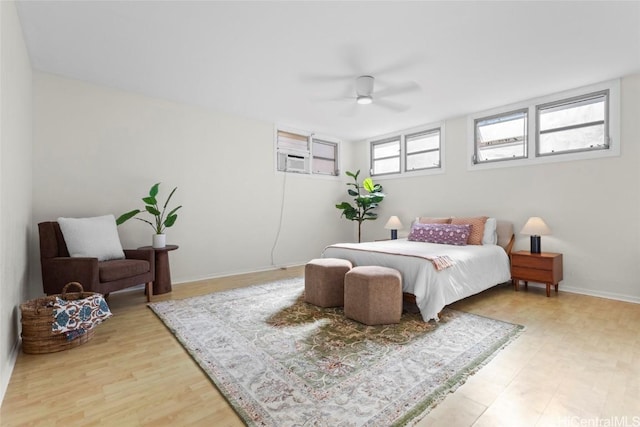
(160, 221)
(366, 198)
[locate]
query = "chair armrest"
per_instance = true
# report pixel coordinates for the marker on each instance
(58, 271)
(144, 255)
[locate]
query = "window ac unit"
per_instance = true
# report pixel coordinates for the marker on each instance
(289, 162)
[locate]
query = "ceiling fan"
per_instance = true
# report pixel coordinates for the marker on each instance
(374, 87)
(364, 88)
(364, 93)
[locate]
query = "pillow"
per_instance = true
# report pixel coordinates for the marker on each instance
(95, 237)
(477, 230)
(447, 234)
(430, 220)
(490, 236)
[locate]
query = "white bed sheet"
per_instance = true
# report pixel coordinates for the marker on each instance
(477, 267)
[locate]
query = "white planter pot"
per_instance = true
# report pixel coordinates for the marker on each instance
(159, 240)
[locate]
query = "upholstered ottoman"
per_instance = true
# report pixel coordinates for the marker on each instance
(324, 281)
(373, 295)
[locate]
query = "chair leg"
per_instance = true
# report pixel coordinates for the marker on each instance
(149, 291)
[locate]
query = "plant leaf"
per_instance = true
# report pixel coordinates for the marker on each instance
(171, 219)
(153, 192)
(150, 200)
(352, 193)
(152, 210)
(169, 198)
(173, 211)
(127, 216)
(368, 185)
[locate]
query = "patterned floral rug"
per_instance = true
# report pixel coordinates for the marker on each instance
(282, 362)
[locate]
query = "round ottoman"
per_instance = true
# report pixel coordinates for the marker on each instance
(373, 295)
(324, 281)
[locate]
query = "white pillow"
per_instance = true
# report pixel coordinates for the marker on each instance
(490, 236)
(95, 237)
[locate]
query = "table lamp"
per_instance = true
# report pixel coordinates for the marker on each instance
(393, 224)
(535, 227)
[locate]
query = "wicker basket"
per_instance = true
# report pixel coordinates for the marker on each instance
(37, 319)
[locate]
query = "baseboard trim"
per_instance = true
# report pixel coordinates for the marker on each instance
(11, 363)
(600, 294)
(239, 273)
(592, 293)
(217, 276)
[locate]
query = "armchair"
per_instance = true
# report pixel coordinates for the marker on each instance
(58, 268)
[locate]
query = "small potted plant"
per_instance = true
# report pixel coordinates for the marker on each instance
(161, 221)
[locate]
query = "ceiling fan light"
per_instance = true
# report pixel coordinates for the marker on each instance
(364, 99)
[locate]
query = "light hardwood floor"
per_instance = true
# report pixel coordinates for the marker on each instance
(577, 362)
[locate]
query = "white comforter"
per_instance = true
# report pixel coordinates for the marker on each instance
(477, 267)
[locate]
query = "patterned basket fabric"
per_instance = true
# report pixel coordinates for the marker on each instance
(38, 320)
(73, 316)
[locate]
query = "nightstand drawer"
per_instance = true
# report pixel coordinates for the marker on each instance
(532, 275)
(528, 261)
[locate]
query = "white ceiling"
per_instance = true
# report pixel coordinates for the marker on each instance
(288, 62)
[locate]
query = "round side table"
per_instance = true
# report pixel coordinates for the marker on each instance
(162, 282)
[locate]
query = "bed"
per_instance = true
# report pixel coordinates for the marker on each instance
(432, 285)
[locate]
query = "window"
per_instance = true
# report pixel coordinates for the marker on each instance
(325, 156)
(422, 150)
(300, 152)
(385, 156)
(501, 137)
(412, 151)
(575, 124)
(293, 152)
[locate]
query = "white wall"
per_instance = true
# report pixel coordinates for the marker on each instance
(98, 150)
(15, 183)
(592, 206)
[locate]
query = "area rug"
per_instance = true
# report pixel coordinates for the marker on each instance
(282, 362)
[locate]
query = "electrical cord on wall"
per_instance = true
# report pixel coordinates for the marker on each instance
(275, 242)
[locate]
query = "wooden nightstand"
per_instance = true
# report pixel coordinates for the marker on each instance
(545, 267)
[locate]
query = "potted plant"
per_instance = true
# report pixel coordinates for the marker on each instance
(161, 221)
(366, 197)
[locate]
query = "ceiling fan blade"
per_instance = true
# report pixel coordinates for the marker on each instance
(398, 89)
(325, 78)
(351, 110)
(352, 57)
(390, 105)
(399, 66)
(347, 95)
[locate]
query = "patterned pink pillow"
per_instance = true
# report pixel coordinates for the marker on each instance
(477, 229)
(447, 234)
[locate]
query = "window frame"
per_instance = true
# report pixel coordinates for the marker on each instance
(613, 86)
(407, 137)
(525, 140)
(386, 140)
(568, 101)
(311, 137)
(325, 141)
(401, 135)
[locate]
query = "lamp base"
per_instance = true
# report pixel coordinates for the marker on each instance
(394, 234)
(535, 245)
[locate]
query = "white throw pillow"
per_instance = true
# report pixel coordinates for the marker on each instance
(95, 237)
(490, 236)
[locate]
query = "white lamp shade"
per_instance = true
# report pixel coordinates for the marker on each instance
(393, 223)
(535, 226)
